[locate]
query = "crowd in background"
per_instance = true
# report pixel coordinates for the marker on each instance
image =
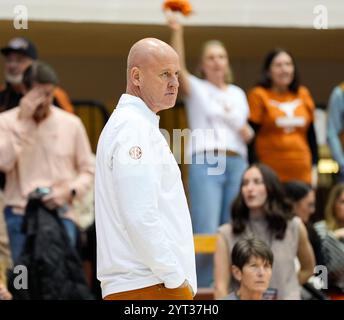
(266, 191)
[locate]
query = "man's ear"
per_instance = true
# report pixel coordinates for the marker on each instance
(135, 75)
(237, 274)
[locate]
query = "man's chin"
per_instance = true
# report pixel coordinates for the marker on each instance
(15, 80)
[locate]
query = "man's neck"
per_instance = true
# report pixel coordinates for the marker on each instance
(135, 91)
(19, 88)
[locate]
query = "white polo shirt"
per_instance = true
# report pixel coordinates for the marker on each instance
(215, 117)
(143, 224)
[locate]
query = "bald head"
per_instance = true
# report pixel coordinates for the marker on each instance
(152, 73)
(146, 50)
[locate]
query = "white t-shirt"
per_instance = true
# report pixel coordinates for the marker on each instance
(215, 117)
(143, 224)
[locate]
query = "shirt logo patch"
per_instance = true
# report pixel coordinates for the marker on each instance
(135, 152)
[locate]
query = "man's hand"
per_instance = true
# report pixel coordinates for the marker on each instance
(60, 195)
(247, 133)
(30, 102)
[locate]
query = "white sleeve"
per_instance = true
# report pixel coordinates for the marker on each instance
(245, 106)
(137, 174)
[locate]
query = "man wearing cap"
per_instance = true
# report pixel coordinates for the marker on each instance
(145, 247)
(19, 54)
(44, 147)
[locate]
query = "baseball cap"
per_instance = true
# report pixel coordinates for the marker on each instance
(21, 45)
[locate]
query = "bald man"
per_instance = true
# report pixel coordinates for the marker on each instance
(145, 246)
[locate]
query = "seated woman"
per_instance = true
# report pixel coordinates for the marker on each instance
(260, 210)
(331, 232)
(252, 267)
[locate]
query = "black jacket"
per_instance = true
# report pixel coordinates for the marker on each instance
(54, 267)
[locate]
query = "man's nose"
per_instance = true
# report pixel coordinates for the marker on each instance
(174, 81)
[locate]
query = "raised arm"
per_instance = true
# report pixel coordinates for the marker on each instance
(177, 42)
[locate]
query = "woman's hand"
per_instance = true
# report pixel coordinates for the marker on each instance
(172, 20)
(246, 133)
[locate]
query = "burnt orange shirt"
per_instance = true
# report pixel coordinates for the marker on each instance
(282, 142)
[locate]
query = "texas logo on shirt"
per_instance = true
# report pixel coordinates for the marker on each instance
(288, 122)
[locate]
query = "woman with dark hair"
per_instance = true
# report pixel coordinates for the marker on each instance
(260, 210)
(282, 114)
(302, 197)
(252, 261)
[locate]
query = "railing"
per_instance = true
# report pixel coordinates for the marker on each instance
(94, 116)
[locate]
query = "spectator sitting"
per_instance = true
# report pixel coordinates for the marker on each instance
(252, 263)
(331, 232)
(261, 211)
(302, 197)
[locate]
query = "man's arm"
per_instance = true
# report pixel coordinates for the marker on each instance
(16, 132)
(137, 178)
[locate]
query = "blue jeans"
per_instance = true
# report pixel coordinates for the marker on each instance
(17, 238)
(211, 197)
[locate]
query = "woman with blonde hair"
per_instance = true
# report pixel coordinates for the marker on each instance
(334, 211)
(217, 113)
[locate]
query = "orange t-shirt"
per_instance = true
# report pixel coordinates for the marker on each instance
(63, 100)
(282, 142)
